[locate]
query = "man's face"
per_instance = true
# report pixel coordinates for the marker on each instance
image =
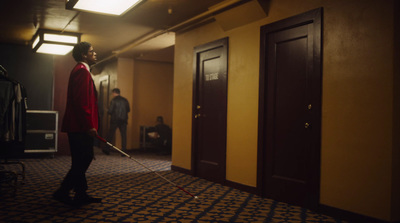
(90, 57)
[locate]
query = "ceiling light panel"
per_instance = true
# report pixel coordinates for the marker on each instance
(110, 7)
(54, 42)
(54, 49)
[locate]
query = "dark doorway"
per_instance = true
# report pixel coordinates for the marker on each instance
(104, 96)
(290, 109)
(209, 110)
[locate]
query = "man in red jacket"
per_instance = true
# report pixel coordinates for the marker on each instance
(81, 124)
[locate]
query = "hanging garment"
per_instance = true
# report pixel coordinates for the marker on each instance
(12, 109)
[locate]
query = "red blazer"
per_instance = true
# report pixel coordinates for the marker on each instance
(81, 113)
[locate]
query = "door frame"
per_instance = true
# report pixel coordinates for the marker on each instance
(196, 52)
(315, 17)
(106, 95)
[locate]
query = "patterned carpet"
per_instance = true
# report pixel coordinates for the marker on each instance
(132, 194)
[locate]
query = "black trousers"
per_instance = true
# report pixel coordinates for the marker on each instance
(122, 128)
(81, 146)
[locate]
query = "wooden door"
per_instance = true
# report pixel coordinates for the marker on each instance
(290, 109)
(209, 110)
(103, 103)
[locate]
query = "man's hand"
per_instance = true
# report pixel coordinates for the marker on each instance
(92, 132)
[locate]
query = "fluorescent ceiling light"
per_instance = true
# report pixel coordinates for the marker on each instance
(55, 49)
(111, 7)
(54, 42)
(60, 38)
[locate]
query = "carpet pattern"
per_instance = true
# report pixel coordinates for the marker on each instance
(133, 194)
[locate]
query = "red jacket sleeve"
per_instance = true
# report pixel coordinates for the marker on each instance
(82, 98)
(81, 111)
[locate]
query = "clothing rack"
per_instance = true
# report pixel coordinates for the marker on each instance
(13, 105)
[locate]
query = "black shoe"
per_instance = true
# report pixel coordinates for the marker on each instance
(62, 197)
(85, 199)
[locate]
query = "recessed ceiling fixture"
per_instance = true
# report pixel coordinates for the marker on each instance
(110, 7)
(54, 42)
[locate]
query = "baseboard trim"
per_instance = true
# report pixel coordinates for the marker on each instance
(228, 183)
(349, 216)
(181, 170)
(242, 187)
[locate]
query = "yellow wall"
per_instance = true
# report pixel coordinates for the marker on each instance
(152, 95)
(357, 117)
(357, 108)
(148, 88)
(125, 78)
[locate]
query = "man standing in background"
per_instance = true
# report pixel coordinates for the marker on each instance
(81, 122)
(119, 109)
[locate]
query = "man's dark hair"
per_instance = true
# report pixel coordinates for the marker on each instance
(116, 90)
(79, 49)
(160, 119)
